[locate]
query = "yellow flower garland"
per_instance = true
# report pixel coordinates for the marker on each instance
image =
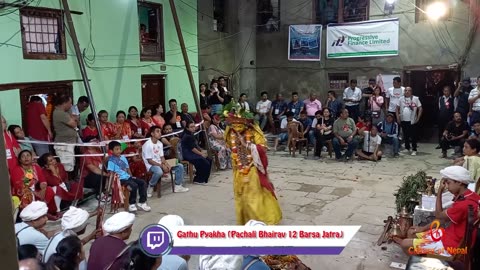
(244, 168)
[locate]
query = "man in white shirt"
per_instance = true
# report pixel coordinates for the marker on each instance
(352, 96)
(34, 217)
(152, 154)
(393, 95)
(409, 111)
(263, 109)
(371, 144)
(474, 100)
(82, 104)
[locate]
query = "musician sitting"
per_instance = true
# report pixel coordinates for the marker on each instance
(371, 143)
(119, 165)
(445, 242)
(283, 136)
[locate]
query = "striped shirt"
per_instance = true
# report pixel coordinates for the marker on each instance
(476, 104)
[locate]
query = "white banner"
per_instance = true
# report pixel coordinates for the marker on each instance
(363, 39)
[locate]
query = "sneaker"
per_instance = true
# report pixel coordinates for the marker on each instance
(132, 208)
(414, 153)
(144, 207)
(180, 188)
(324, 149)
(149, 191)
(199, 183)
(405, 151)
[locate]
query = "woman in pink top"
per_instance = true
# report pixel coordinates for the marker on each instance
(158, 118)
(376, 106)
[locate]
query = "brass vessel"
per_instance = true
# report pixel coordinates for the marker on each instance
(404, 221)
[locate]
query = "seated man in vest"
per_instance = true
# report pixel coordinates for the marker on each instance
(389, 132)
(30, 231)
(74, 222)
(109, 251)
(421, 240)
(454, 134)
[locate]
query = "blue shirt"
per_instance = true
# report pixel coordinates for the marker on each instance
(278, 107)
(307, 123)
(173, 262)
(119, 165)
(295, 108)
(257, 265)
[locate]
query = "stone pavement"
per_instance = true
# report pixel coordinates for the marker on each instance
(311, 192)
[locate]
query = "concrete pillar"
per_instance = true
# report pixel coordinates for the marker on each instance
(246, 52)
(8, 248)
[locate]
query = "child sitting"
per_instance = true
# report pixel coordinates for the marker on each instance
(119, 165)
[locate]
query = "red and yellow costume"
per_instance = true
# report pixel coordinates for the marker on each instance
(26, 186)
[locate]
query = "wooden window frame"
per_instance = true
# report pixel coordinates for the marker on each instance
(41, 12)
(160, 36)
(340, 19)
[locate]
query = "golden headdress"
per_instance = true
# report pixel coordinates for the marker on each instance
(233, 113)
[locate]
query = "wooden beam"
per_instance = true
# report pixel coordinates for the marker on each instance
(24, 85)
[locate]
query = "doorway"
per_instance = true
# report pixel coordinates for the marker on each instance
(428, 86)
(153, 90)
(46, 93)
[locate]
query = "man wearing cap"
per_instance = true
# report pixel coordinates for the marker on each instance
(173, 262)
(454, 179)
(30, 231)
(461, 98)
(74, 222)
(110, 250)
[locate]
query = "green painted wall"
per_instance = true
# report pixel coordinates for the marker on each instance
(116, 73)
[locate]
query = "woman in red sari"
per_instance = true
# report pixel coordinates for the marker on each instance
(28, 183)
(122, 128)
(135, 123)
(108, 129)
(158, 118)
(57, 179)
(90, 131)
(147, 120)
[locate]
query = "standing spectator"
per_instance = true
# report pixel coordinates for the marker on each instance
(312, 105)
(352, 96)
(376, 102)
(38, 125)
(82, 104)
(12, 148)
(66, 129)
(333, 104)
(214, 100)
(367, 94)
(409, 112)
(154, 159)
(263, 108)
(344, 129)
(461, 98)
(474, 100)
(193, 154)
(203, 94)
(455, 133)
(445, 111)
(224, 93)
(389, 132)
(295, 106)
(173, 117)
(393, 95)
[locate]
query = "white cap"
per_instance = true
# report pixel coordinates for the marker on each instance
(118, 222)
(457, 173)
(33, 211)
(75, 219)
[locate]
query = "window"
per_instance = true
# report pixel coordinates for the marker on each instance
(43, 35)
(423, 4)
(268, 15)
(338, 82)
(327, 11)
(150, 18)
(219, 15)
